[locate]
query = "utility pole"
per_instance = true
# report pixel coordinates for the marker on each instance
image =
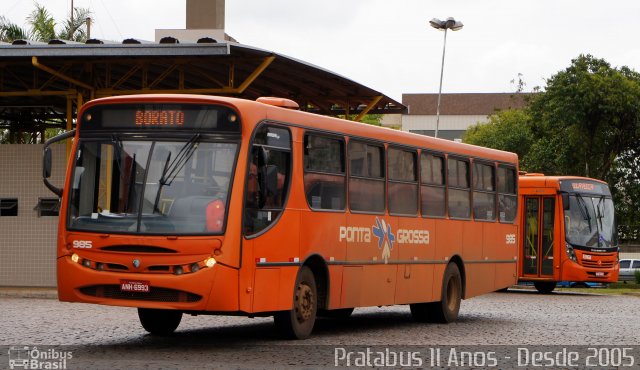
(71, 11)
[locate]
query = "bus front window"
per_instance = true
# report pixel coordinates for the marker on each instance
(589, 222)
(158, 187)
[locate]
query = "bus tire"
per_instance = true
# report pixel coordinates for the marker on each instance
(159, 322)
(446, 310)
(341, 313)
(298, 322)
(545, 287)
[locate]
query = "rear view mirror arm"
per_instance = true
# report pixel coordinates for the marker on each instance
(46, 161)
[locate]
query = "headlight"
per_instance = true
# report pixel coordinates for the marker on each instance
(570, 252)
(210, 262)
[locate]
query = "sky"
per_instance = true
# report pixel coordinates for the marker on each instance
(389, 45)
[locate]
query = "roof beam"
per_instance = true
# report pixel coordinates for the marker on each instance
(368, 108)
(36, 63)
(252, 77)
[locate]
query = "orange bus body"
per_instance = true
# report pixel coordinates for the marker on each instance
(547, 253)
(255, 274)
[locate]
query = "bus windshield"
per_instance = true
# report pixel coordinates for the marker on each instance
(150, 186)
(589, 221)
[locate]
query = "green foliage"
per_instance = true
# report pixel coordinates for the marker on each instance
(626, 194)
(637, 276)
(10, 32)
(506, 130)
(595, 109)
(586, 122)
(74, 29)
(42, 26)
(370, 119)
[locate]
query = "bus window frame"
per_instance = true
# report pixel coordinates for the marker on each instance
(416, 174)
(305, 134)
(469, 189)
(493, 166)
(383, 179)
(285, 201)
(516, 194)
(159, 136)
(444, 186)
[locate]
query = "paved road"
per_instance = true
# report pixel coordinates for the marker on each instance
(101, 336)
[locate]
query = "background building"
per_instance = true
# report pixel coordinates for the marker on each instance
(457, 111)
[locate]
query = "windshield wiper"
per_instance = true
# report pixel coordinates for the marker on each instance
(172, 167)
(584, 211)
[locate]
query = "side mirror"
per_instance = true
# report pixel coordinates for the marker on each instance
(47, 161)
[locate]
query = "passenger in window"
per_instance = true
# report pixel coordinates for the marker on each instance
(253, 187)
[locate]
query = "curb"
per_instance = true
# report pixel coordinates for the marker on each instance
(28, 292)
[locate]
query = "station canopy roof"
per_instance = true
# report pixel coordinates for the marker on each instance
(40, 84)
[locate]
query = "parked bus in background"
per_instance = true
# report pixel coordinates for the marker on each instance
(208, 205)
(568, 231)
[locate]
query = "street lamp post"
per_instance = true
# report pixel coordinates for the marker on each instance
(449, 24)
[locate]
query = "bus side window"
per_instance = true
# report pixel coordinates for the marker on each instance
(507, 195)
(403, 182)
(432, 173)
(458, 196)
(484, 192)
(324, 172)
(366, 177)
(268, 178)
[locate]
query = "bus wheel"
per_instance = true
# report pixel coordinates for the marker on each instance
(297, 323)
(159, 322)
(446, 310)
(545, 287)
(341, 313)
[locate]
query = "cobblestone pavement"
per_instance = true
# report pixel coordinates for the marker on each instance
(111, 337)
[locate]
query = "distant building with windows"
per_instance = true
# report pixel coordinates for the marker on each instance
(457, 111)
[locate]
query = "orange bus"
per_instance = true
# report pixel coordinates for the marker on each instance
(568, 231)
(209, 205)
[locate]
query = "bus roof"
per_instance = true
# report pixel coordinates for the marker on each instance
(563, 183)
(253, 112)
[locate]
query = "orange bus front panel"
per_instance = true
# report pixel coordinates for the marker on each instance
(77, 283)
(595, 267)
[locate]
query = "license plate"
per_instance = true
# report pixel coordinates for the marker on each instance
(599, 274)
(139, 286)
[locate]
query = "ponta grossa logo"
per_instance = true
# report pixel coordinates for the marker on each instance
(386, 238)
(382, 231)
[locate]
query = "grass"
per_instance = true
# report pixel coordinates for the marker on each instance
(612, 289)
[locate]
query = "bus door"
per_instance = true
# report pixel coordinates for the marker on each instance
(538, 236)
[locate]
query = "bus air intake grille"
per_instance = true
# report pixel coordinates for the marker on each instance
(137, 249)
(596, 265)
(155, 295)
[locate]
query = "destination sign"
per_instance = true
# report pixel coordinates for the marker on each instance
(158, 117)
(584, 187)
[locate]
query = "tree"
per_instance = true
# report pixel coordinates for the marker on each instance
(586, 122)
(10, 31)
(42, 27)
(42, 24)
(74, 28)
(594, 110)
(506, 130)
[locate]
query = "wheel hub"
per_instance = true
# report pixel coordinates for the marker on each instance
(304, 302)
